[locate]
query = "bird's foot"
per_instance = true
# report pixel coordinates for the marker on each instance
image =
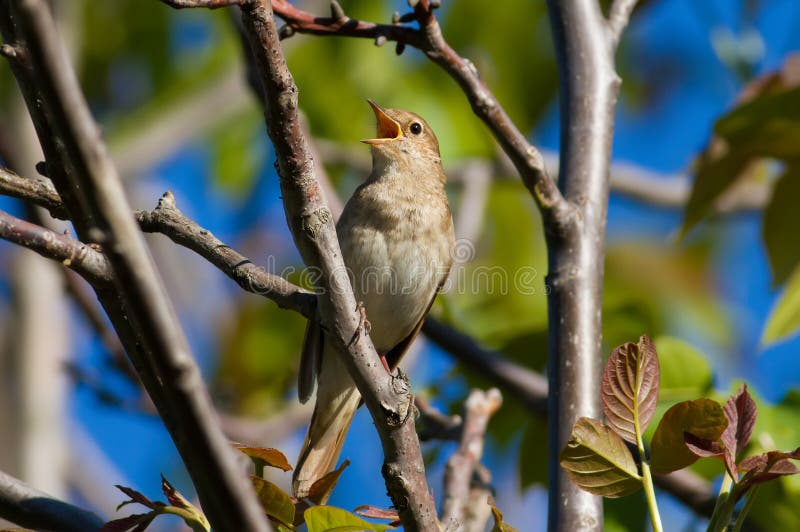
(364, 326)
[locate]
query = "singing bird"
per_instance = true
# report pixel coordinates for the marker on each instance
(396, 235)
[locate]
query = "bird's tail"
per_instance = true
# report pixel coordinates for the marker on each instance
(337, 402)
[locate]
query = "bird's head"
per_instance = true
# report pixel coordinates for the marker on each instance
(403, 138)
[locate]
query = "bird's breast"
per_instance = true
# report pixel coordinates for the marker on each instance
(395, 265)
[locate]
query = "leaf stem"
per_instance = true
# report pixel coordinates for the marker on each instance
(724, 507)
(746, 509)
(647, 482)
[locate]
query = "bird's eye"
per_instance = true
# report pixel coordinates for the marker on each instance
(416, 128)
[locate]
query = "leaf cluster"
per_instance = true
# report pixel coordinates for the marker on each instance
(598, 456)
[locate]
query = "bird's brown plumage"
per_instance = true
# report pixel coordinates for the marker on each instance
(396, 235)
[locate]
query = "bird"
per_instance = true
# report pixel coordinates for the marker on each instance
(397, 241)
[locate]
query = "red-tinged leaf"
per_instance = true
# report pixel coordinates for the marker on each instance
(629, 389)
(276, 503)
(136, 497)
(741, 412)
(173, 496)
(597, 460)
(766, 467)
(702, 417)
(321, 490)
(132, 523)
(266, 456)
(373, 512)
(704, 448)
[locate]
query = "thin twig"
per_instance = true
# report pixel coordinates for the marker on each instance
(29, 507)
(618, 17)
(76, 255)
(460, 467)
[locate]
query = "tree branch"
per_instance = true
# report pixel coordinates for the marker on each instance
(89, 262)
(36, 191)
(618, 17)
(29, 507)
(461, 465)
(587, 98)
(428, 39)
(138, 307)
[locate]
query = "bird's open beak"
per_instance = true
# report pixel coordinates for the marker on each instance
(388, 129)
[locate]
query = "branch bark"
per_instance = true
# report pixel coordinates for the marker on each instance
(29, 507)
(138, 307)
(588, 93)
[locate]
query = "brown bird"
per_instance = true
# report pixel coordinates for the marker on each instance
(396, 235)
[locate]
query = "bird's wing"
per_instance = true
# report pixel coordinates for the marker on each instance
(310, 359)
(396, 353)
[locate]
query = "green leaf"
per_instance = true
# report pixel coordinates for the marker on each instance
(499, 524)
(597, 460)
(685, 372)
(629, 388)
(784, 320)
(262, 456)
(276, 503)
(703, 418)
(330, 519)
(781, 226)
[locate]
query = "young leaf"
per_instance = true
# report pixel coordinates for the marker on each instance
(629, 389)
(741, 412)
(321, 490)
(597, 460)
(276, 503)
(703, 418)
(327, 518)
(132, 523)
(136, 497)
(499, 524)
(266, 456)
(765, 467)
(173, 496)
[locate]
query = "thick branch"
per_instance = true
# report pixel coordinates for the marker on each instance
(145, 321)
(588, 94)
(29, 507)
(461, 465)
(312, 226)
(525, 157)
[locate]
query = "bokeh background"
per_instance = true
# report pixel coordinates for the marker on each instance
(169, 89)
